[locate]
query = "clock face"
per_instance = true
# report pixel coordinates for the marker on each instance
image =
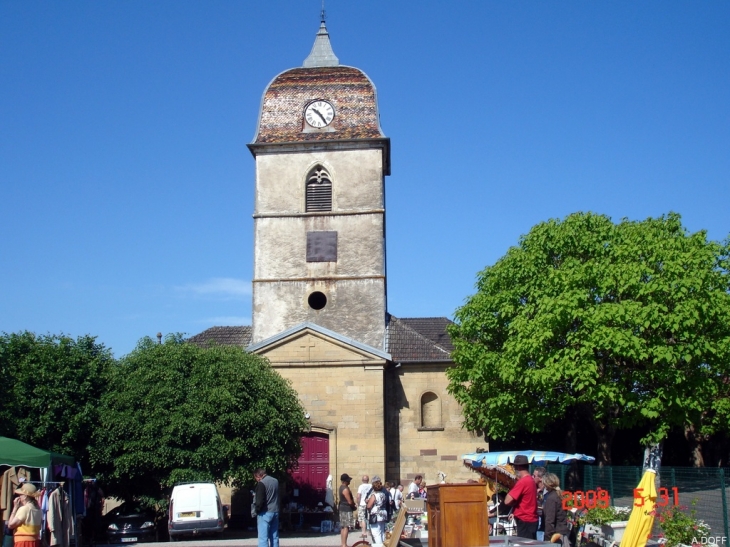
(319, 114)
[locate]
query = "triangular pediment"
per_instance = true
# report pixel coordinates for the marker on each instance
(311, 345)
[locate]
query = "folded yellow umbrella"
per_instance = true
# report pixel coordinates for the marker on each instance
(641, 520)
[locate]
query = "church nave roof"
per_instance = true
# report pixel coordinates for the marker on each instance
(414, 339)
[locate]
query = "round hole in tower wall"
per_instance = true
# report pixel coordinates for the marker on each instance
(317, 300)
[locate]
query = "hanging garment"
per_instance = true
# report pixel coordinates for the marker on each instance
(10, 483)
(63, 471)
(79, 507)
(60, 522)
(43, 503)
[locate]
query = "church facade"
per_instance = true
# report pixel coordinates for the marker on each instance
(373, 385)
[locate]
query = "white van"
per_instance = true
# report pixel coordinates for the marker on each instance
(195, 508)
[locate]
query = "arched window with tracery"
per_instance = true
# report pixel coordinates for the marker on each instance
(430, 410)
(319, 191)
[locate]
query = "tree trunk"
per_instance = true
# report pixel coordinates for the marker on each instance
(695, 446)
(572, 477)
(571, 436)
(653, 457)
(605, 433)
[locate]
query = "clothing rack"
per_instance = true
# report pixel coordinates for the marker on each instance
(75, 537)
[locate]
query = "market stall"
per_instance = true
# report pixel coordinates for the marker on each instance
(499, 474)
(57, 477)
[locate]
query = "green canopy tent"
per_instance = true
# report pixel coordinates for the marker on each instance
(17, 453)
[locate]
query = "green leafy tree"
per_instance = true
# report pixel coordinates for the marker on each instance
(177, 412)
(622, 324)
(50, 390)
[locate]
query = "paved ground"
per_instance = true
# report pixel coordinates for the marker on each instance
(322, 540)
(241, 538)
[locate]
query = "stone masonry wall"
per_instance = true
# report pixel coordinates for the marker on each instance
(413, 450)
(347, 403)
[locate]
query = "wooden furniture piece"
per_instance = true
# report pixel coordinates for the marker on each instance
(400, 522)
(458, 515)
(394, 538)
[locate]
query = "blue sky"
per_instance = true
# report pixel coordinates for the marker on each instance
(127, 187)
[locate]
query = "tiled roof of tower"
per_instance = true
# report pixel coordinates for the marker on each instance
(348, 89)
(418, 339)
(224, 336)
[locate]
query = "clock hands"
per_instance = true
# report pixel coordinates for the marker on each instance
(320, 115)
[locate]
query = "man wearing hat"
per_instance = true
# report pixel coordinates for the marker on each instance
(347, 508)
(523, 498)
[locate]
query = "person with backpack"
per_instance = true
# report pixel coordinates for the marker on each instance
(377, 505)
(391, 490)
(388, 501)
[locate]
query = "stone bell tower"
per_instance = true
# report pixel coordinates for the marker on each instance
(319, 219)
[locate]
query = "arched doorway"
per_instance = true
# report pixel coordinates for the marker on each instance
(309, 478)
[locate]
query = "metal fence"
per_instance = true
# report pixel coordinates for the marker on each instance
(707, 485)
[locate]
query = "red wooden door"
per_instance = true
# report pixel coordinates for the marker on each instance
(313, 467)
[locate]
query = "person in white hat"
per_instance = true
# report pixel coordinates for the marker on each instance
(25, 519)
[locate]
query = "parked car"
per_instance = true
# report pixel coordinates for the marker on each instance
(130, 523)
(195, 509)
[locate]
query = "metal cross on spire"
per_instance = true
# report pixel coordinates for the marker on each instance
(322, 54)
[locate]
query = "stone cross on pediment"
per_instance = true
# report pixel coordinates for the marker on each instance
(307, 345)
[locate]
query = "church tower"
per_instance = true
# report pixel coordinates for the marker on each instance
(319, 220)
(373, 387)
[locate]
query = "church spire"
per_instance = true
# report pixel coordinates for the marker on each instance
(321, 54)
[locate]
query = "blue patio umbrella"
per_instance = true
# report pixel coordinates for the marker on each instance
(485, 459)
